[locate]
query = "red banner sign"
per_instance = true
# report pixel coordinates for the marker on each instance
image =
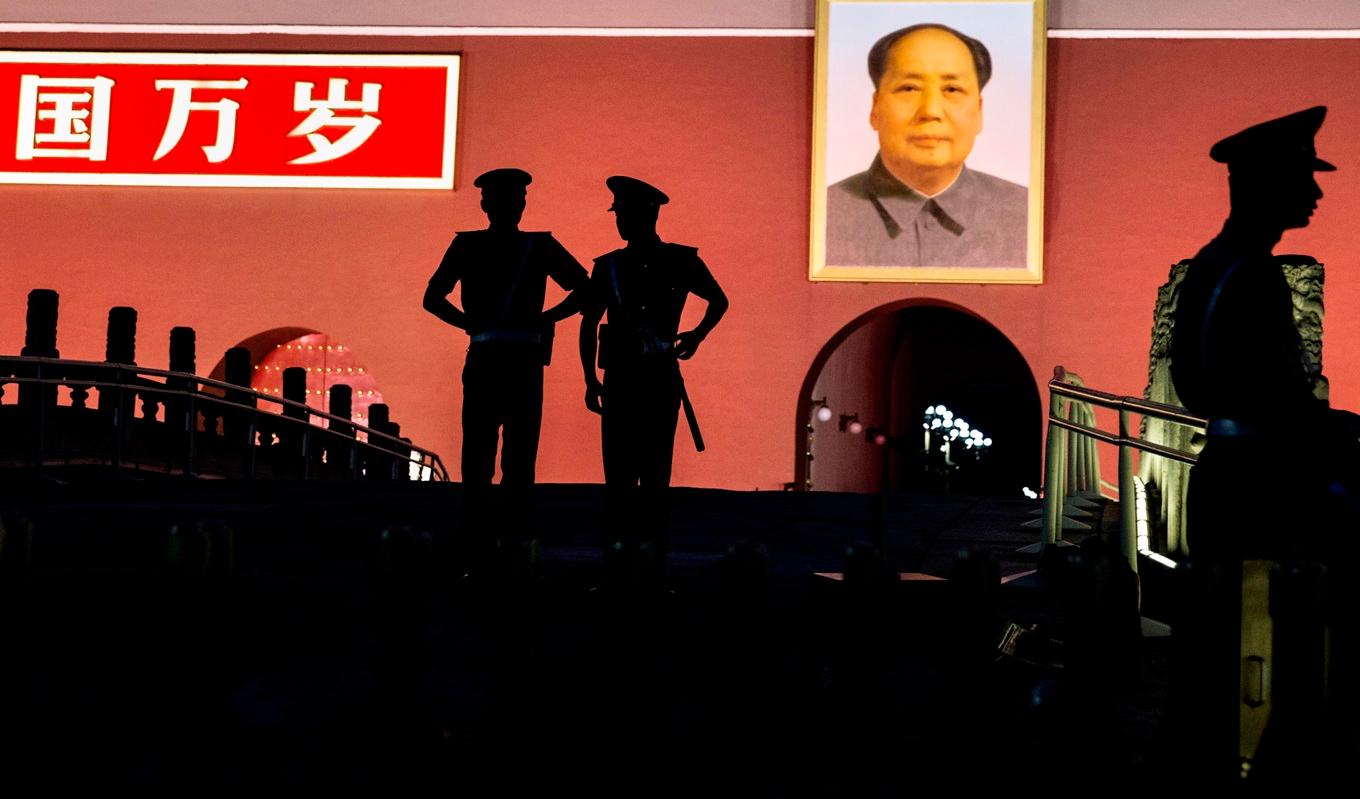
(240, 119)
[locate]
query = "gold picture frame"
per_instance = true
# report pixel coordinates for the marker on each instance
(875, 144)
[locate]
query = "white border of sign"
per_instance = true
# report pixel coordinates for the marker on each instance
(451, 63)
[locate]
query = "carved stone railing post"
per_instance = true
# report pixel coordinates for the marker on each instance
(238, 374)
(182, 350)
(120, 343)
(181, 413)
(378, 414)
(238, 424)
(377, 465)
(295, 390)
(120, 347)
(293, 437)
(40, 331)
(341, 403)
(40, 341)
(340, 454)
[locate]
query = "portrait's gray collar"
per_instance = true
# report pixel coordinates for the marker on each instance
(899, 204)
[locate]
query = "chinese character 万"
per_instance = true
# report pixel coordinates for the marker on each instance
(182, 102)
(78, 110)
(323, 115)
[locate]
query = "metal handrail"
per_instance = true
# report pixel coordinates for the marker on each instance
(431, 466)
(1170, 413)
(1055, 474)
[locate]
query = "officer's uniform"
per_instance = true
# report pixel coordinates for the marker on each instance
(643, 290)
(1237, 359)
(1275, 479)
(504, 278)
(644, 294)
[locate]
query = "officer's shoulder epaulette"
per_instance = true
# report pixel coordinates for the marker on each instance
(679, 249)
(608, 255)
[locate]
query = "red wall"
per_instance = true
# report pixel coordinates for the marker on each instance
(857, 379)
(723, 126)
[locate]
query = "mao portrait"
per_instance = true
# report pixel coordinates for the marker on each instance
(928, 142)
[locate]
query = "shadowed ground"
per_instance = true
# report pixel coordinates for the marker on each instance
(342, 649)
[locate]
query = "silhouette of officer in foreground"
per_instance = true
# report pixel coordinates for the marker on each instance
(642, 289)
(1273, 447)
(1276, 478)
(504, 273)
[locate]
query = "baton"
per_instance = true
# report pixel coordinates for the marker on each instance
(690, 418)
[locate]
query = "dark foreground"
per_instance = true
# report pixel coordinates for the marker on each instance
(338, 646)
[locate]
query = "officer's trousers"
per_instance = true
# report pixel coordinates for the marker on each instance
(502, 398)
(1281, 497)
(637, 435)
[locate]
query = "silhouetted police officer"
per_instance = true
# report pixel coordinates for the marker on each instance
(1276, 477)
(641, 289)
(1236, 355)
(504, 273)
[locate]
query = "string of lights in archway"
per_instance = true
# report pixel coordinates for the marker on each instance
(944, 431)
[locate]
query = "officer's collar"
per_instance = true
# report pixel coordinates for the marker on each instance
(643, 248)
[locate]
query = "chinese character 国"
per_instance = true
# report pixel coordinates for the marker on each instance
(63, 118)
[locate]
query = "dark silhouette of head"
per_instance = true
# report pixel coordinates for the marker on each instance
(503, 195)
(1271, 170)
(636, 207)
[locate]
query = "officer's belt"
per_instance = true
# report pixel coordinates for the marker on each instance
(691, 420)
(641, 347)
(517, 336)
(633, 347)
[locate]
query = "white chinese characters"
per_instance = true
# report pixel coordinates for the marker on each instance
(182, 102)
(63, 118)
(70, 117)
(323, 115)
